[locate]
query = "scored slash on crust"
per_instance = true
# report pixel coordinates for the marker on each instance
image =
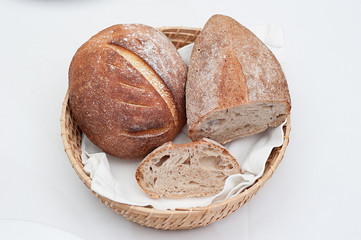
(123, 83)
(147, 132)
(150, 75)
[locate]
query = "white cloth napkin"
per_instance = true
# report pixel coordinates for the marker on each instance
(114, 178)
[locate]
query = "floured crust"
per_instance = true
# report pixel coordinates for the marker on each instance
(230, 67)
(180, 173)
(128, 108)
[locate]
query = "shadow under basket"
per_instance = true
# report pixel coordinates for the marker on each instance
(167, 219)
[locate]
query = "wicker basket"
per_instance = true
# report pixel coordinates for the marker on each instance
(167, 219)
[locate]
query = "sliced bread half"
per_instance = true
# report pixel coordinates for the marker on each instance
(235, 85)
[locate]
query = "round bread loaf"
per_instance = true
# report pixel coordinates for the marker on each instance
(126, 90)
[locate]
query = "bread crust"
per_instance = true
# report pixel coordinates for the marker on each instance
(170, 146)
(114, 103)
(230, 67)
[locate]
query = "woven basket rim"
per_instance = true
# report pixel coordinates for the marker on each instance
(254, 187)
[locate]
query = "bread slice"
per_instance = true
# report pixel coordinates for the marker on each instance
(188, 170)
(235, 85)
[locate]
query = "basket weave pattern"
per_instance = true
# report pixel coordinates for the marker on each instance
(167, 219)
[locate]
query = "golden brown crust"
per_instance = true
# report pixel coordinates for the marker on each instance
(234, 90)
(156, 50)
(227, 54)
(114, 103)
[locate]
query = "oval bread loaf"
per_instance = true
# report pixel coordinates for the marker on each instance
(188, 170)
(235, 85)
(126, 90)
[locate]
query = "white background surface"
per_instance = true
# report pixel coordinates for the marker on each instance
(314, 194)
